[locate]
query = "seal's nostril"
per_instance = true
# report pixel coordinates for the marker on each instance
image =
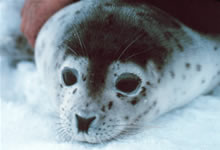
(83, 124)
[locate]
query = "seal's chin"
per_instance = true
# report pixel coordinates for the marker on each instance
(93, 136)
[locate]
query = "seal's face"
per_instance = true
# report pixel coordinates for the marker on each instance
(96, 109)
(104, 64)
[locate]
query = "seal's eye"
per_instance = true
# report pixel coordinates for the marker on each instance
(128, 82)
(69, 76)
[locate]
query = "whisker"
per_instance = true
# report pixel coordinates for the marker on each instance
(75, 53)
(129, 45)
(82, 45)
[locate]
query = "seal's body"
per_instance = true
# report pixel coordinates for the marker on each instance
(114, 65)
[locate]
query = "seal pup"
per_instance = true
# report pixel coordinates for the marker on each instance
(114, 65)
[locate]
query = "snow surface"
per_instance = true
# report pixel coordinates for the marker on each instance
(27, 117)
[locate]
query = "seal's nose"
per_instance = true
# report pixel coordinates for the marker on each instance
(83, 124)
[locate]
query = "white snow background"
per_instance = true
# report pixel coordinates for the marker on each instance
(27, 117)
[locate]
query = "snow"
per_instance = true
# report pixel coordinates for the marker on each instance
(27, 118)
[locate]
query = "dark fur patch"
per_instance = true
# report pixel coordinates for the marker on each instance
(141, 14)
(107, 4)
(74, 91)
(215, 48)
(126, 118)
(143, 91)
(188, 65)
(113, 40)
(83, 77)
(87, 104)
(110, 104)
(135, 101)
(148, 83)
(168, 35)
(103, 108)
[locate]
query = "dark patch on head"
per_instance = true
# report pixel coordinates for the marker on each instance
(143, 91)
(109, 20)
(135, 101)
(172, 74)
(110, 105)
(187, 65)
(168, 35)
(203, 81)
(198, 67)
(113, 39)
(115, 75)
(61, 86)
(107, 4)
(141, 14)
(74, 91)
(218, 73)
(175, 24)
(83, 77)
(140, 22)
(103, 108)
(163, 18)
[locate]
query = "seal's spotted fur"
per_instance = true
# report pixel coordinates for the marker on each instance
(114, 65)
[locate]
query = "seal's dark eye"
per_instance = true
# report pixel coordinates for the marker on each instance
(128, 82)
(69, 76)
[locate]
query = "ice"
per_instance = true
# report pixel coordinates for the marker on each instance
(27, 119)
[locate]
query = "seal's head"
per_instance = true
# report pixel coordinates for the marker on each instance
(103, 60)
